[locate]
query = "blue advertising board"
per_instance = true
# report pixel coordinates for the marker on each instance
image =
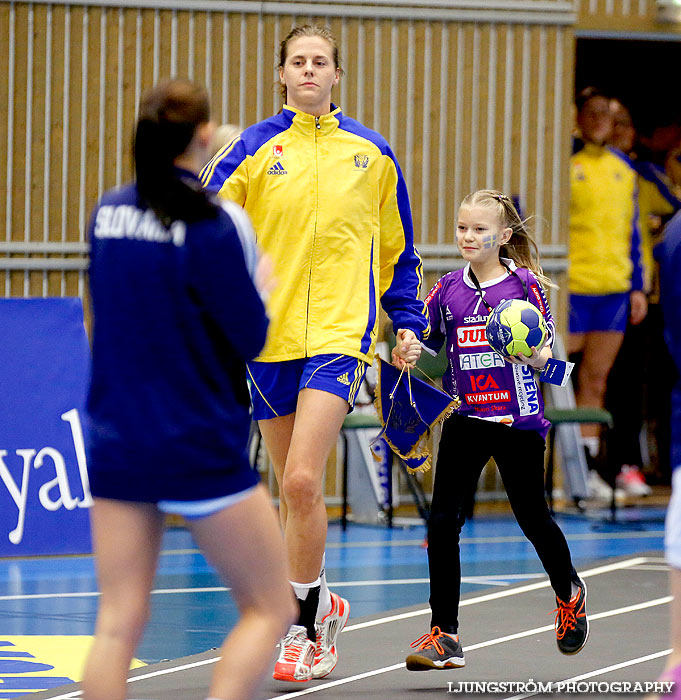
(44, 367)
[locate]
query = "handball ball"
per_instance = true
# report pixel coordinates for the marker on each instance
(514, 327)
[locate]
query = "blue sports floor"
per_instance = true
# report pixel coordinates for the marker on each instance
(378, 570)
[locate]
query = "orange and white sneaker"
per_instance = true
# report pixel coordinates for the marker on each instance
(632, 482)
(295, 656)
(327, 630)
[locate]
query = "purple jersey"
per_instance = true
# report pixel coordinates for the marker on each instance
(489, 387)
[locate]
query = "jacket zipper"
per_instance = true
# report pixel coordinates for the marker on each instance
(318, 126)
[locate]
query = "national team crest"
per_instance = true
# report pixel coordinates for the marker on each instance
(361, 161)
(277, 151)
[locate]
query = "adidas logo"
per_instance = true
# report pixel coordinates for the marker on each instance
(343, 379)
(277, 169)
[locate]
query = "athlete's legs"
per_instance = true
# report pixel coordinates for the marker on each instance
(127, 539)
(277, 432)
(244, 544)
(463, 452)
(600, 350)
(519, 455)
(575, 342)
(318, 420)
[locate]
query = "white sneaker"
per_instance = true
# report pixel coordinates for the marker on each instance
(599, 488)
(327, 630)
(632, 482)
(295, 656)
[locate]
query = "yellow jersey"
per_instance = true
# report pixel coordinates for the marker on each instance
(329, 205)
(605, 242)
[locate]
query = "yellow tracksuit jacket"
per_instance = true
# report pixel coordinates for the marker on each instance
(655, 198)
(329, 205)
(605, 242)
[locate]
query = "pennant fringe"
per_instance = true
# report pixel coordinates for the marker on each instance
(420, 450)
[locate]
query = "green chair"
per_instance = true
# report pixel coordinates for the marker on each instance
(580, 415)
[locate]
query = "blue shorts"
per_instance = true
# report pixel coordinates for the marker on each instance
(193, 510)
(609, 312)
(275, 385)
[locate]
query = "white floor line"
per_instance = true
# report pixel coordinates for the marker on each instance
(601, 671)
(626, 563)
(144, 676)
(549, 628)
(503, 539)
(491, 579)
(607, 568)
(472, 647)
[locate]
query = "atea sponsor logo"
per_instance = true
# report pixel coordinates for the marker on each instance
(526, 390)
(471, 336)
(480, 360)
(37, 459)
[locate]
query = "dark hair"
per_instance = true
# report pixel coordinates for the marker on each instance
(521, 247)
(168, 117)
(583, 96)
(308, 30)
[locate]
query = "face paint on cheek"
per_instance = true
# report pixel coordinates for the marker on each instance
(489, 241)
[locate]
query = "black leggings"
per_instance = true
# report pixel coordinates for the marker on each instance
(465, 447)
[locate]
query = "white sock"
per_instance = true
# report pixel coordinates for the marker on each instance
(574, 591)
(302, 589)
(324, 593)
(592, 444)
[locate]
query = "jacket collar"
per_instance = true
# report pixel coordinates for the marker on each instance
(307, 123)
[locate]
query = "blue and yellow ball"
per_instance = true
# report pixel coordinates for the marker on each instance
(514, 327)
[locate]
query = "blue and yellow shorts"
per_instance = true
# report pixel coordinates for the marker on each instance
(607, 312)
(275, 385)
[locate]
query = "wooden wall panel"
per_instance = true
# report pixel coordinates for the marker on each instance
(635, 16)
(465, 104)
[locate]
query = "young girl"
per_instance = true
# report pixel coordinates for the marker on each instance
(501, 416)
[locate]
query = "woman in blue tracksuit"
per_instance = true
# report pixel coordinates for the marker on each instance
(668, 254)
(176, 317)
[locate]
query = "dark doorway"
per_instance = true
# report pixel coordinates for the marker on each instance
(642, 73)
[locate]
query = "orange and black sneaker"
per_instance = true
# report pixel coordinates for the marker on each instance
(572, 624)
(436, 650)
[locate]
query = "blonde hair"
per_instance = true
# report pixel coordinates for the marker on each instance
(308, 30)
(224, 135)
(521, 247)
